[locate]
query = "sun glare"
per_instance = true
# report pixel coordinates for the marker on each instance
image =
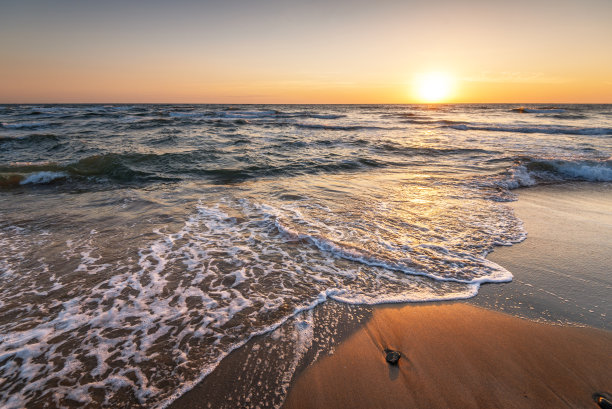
(433, 87)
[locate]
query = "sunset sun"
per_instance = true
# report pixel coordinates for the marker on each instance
(433, 87)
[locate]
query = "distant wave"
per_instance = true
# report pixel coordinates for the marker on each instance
(344, 127)
(21, 125)
(35, 138)
(147, 122)
(410, 150)
(274, 114)
(185, 114)
(322, 116)
(403, 115)
(443, 122)
(546, 129)
(565, 116)
(539, 110)
(223, 118)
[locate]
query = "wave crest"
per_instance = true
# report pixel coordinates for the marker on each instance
(530, 172)
(545, 129)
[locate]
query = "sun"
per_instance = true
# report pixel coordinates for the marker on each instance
(433, 87)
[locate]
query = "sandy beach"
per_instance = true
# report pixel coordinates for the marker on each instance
(459, 356)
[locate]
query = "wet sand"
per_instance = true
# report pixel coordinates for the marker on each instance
(563, 271)
(459, 356)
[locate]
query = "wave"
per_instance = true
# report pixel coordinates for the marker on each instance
(137, 167)
(324, 116)
(37, 138)
(238, 114)
(410, 150)
(42, 178)
(10, 180)
(433, 122)
(264, 112)
(115, 167)
(540, 110)
(147, 122)
(224, 114)
(22, 125)
(313, 115)
(497, 273)
(185, 114)
(237, 175)
(565, 116)
(530, 172)
(344, 127)
(403, 115)
(545, 129)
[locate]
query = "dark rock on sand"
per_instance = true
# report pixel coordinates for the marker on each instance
(392, 356)
(604, 400)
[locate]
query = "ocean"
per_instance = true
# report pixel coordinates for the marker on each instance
(141, 244)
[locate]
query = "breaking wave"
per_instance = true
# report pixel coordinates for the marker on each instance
(530, 172)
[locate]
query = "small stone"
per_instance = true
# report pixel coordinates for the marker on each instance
(392, 356)
(603, 400)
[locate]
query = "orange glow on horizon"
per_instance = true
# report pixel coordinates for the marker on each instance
(301, 52)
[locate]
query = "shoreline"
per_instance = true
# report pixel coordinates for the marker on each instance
(504, 306)
(562, 271)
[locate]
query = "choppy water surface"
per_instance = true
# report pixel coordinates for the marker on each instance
(142, 243)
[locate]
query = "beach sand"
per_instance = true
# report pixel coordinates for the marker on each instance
(459, 354)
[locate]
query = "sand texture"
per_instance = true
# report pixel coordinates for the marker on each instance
(459, 356)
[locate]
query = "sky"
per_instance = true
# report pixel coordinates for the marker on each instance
(308, 51)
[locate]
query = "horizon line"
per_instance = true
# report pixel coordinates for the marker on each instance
(301, 103)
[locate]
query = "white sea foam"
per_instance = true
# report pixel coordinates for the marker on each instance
(520, 177)
(594, 172)
(42, 177)
(498, 274)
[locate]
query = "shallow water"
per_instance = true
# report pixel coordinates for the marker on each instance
(142, 243)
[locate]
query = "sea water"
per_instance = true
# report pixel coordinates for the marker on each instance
(140, 244)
